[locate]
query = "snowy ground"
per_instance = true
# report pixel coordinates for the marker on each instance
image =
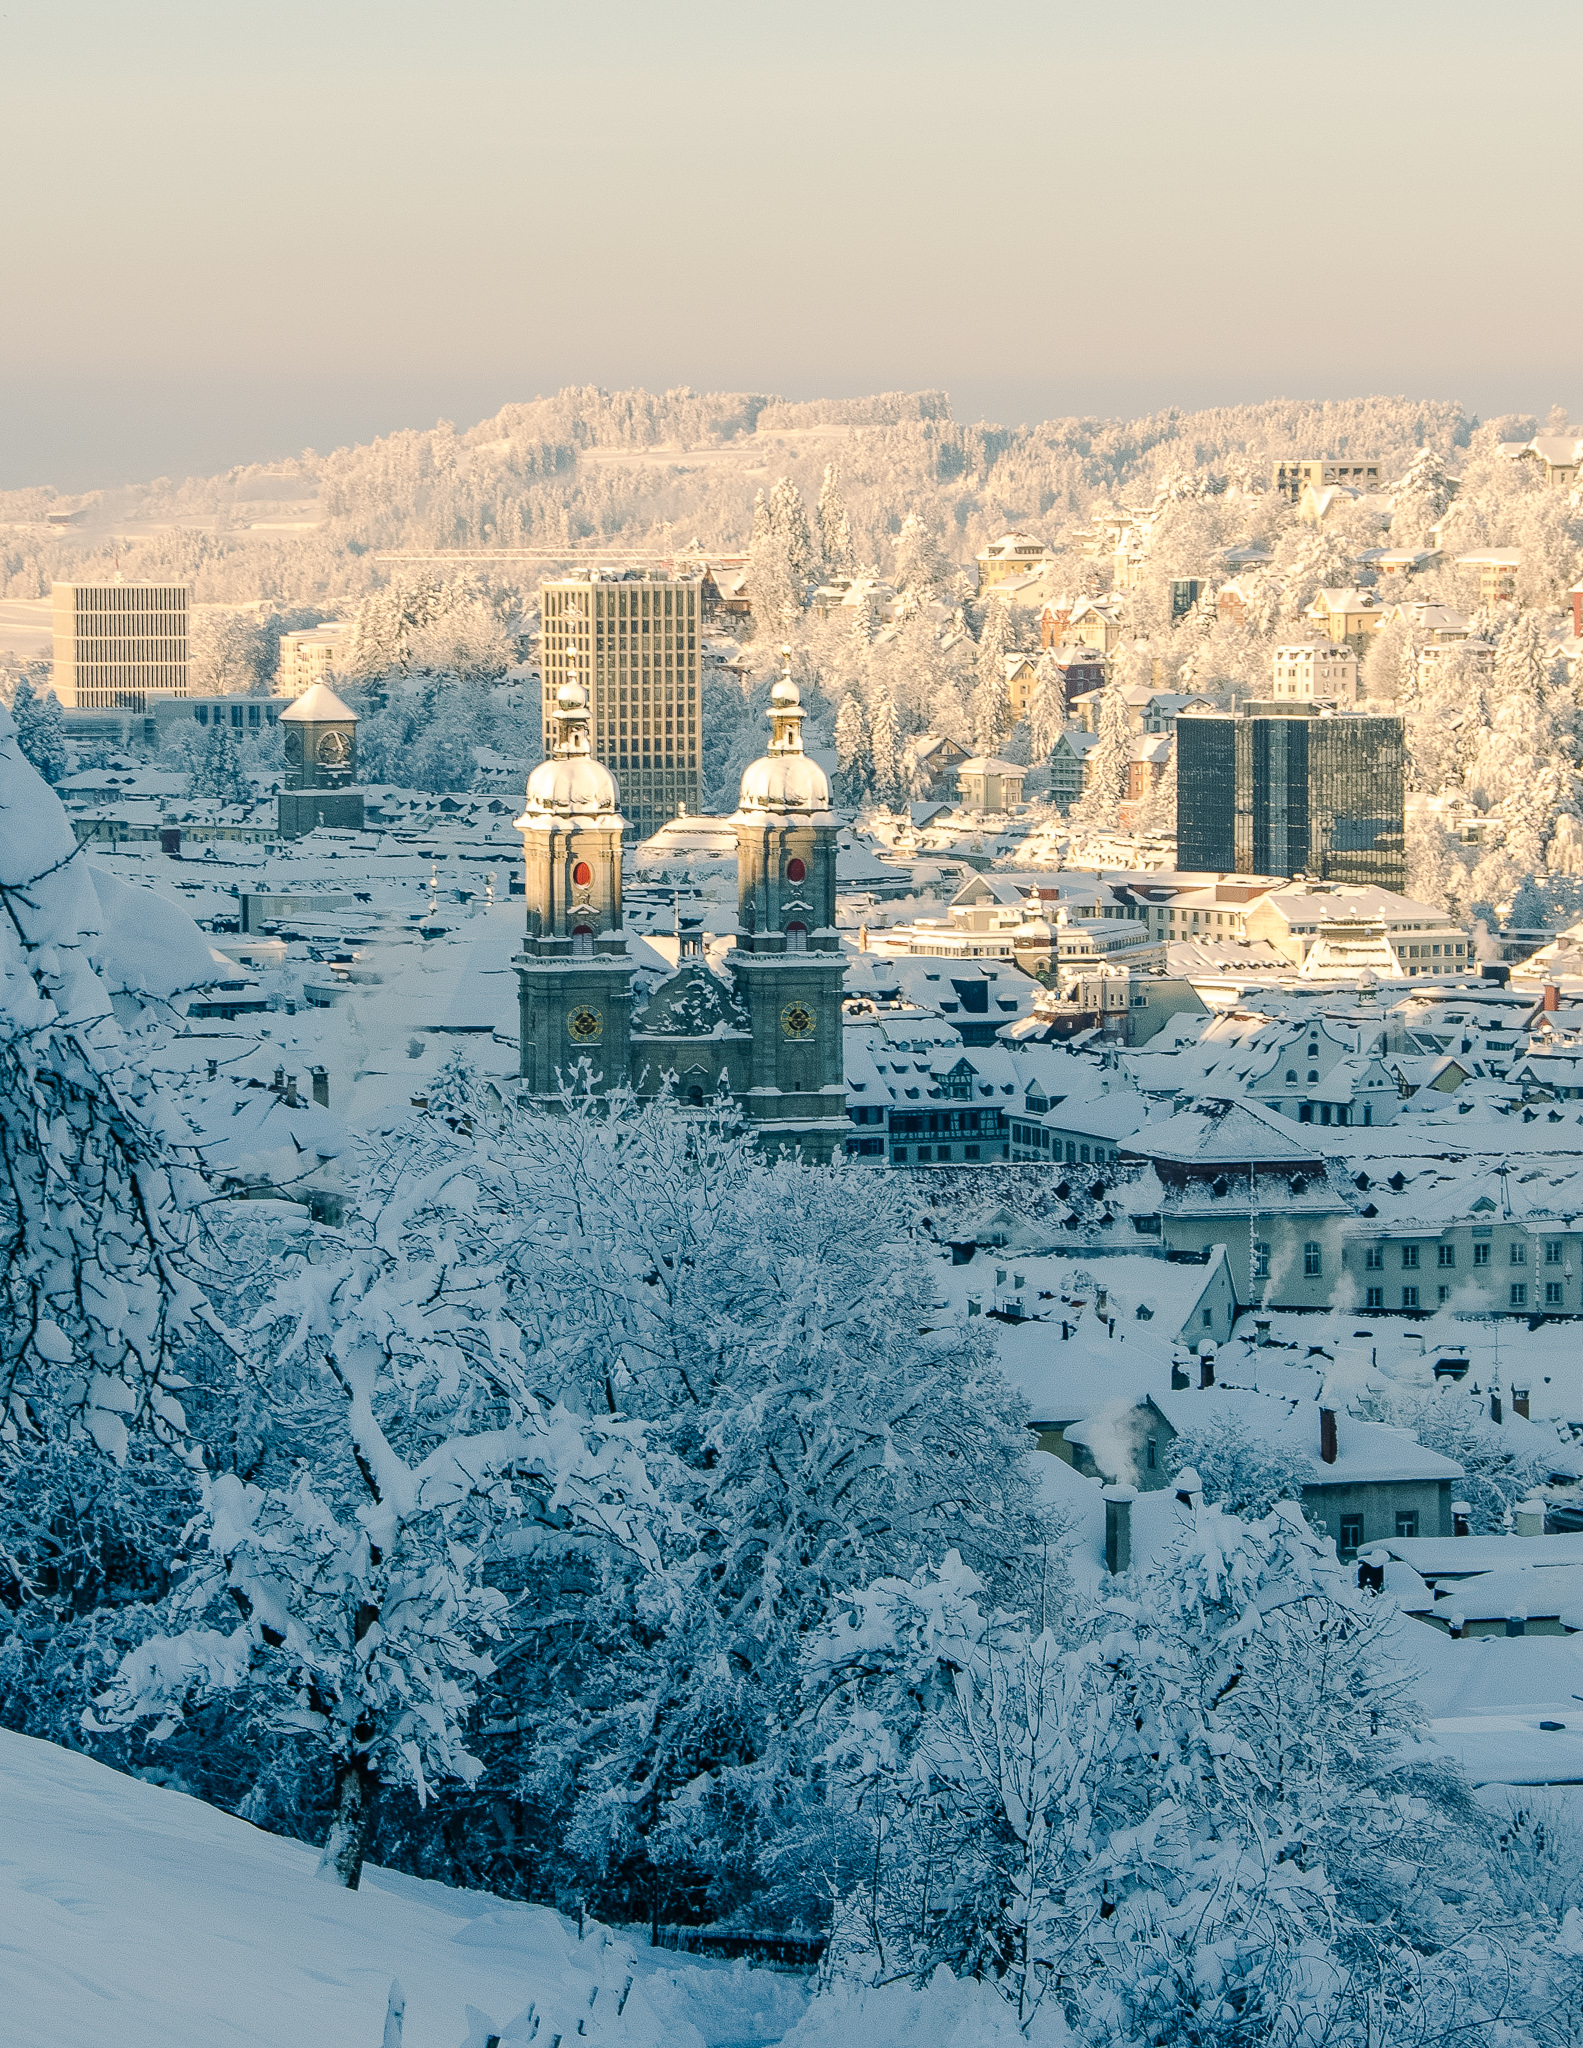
(135, 1917)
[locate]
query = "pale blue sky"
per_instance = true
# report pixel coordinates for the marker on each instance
(234, 230)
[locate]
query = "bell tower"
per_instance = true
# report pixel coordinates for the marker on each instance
(574, 971)
(787, 962)
(319, 733)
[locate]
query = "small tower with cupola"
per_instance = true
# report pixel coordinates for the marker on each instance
(787, 962)
(574, 973)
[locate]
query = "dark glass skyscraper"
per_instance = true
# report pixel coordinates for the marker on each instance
(1294, 794)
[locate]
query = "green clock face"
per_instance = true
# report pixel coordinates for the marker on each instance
(798, 1019)
(585, 1025)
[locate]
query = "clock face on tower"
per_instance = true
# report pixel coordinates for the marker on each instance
(585, 1025)
(333, 750)
(798, 1019)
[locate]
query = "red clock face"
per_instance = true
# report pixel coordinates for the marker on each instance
(582, 874)
(795, 871)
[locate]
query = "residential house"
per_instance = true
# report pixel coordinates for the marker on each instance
(931, 762)
(1012, 556)
(1095, 622)
(987, 783)
(1349, 614)
(1559, 456)
(1069, 767)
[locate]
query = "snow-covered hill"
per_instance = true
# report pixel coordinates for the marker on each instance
(135, 1917)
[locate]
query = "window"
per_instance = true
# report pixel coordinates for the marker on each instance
(1519, 1294)
(970, 1152)
(1206, 1318)
(1313, 1262)
(1261, 1262)
(1351, 1535)
(1374, 1258)
(1447, 1255)
(1407, 1522)
(1374, 1297)
(1481, 1255)
(795, 870)
(796, 937)
(1150, 1449)
(1553, 1293)
(582, 874)
(1409, 1258)
(1555, 1250)
(1409, 1297)
(1442, 1294)
(582, 939)
(1518, 1254)
(900, 1155)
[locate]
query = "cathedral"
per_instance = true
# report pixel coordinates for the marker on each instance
(763, 1022)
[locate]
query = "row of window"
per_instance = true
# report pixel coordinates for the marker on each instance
(1516, 1296)
(1445, 1258)
(929, 1155)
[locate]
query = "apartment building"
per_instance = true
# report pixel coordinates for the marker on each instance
(1011, 557)
(309, 657)
(1496, 569)
(1320, 473)
(1307, 671)
(117, 645)
(631, 638)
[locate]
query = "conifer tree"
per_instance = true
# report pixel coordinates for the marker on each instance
(835, 528)
(40, 729)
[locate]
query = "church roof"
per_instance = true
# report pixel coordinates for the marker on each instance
(320, 706)
(785, 779)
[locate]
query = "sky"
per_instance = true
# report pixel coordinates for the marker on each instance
(234, 231)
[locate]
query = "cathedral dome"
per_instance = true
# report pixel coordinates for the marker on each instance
(785, 779)
(571, 783)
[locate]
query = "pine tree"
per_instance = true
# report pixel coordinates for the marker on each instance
(217, 769)
(853, 758)
(885, 749)
(1420, 499)
(1105, 777)
(1046, 708)
(920, 570)
(780, 557)
(40, 729)
(835, 528)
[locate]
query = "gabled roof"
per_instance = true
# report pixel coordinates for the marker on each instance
(1221, 1131)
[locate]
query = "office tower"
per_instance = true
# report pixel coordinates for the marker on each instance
(1296, 793)
(118, 644)
(630, 638)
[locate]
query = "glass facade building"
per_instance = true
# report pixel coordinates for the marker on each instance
(1294, 794)
(632, 639)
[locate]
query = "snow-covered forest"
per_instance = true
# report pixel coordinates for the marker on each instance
(893, 497)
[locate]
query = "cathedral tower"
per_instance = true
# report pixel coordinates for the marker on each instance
(574, 971)
(787, 963)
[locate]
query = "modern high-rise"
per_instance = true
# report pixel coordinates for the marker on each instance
(1297, 792)
(631, 639)
(118, 644)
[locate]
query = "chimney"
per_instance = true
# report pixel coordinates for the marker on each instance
(1517, 1624)
(1180, 1381)
(1327, 1435)
(1118, 1527)
(1206, 1365)
(1552, 996)
(214, 1070)
(321, 1086)
(1520, 1402)
(1261, 1330)
(278, 1085)
(1496, 1412)
(1461, 1516)
(1189, 1488)
(1529, 1518)
(291, 1092)
(1458, 1626)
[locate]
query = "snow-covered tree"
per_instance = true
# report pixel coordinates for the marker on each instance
(1046, 709)
(361, 1569)
(1195, 1815)
(1420, 499)
(40, 729)
(920, 569)
(101, 1298)
(1243, 1474)
(1105, 778)
(835, 527)
(852, 749)
(781, 558)
(885, 747)
(215, 765)
(227, 653)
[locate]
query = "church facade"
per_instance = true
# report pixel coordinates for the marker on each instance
(763, 1020)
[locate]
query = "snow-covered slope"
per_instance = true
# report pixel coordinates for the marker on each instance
(135, 1916)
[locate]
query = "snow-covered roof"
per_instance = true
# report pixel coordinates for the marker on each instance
(1366, 1452)
(319, 706)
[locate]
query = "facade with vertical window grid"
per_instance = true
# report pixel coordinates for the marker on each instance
(119, 644)
(631, 639)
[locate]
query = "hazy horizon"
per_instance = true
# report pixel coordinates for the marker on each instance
(238, 236)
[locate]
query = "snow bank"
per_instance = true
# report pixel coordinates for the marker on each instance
(136, 1916)
(947, 2013)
